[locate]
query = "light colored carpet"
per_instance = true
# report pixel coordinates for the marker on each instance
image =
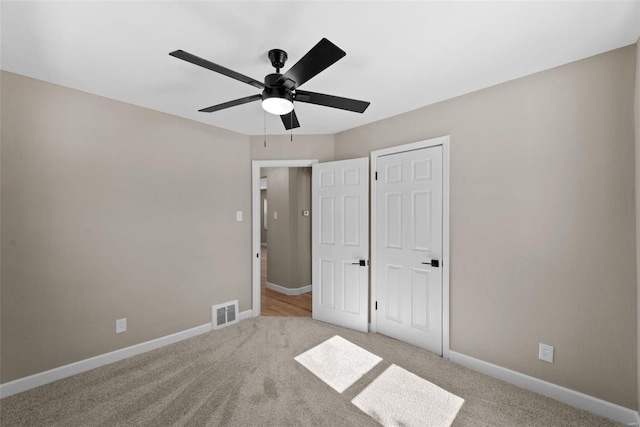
(246, 375)
(399, 398)
(338, 362)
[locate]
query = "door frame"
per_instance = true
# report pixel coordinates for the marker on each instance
(256, 210)
(444, 142)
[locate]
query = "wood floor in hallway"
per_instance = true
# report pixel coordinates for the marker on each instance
(274, 303)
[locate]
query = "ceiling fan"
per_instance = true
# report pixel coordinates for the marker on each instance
(279, 91)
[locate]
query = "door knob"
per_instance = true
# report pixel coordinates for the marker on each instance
(361, 263)
(433, 263)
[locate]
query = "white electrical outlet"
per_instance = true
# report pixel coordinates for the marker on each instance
(275, 215)
(239, 216)
(545, 353)
(121, 325)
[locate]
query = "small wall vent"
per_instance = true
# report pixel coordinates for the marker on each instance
(224, 314)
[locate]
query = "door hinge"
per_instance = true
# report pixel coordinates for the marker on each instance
(376, 175)
(376, 305)
(257, 255)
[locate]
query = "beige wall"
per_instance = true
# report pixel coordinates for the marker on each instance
(637, 123)
(302, 259)
(1, 75)
(278, 230)
(109, 211)
(542, 220)
(280, 147)
(289, 236)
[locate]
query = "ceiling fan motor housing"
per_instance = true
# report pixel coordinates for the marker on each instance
(275, 90)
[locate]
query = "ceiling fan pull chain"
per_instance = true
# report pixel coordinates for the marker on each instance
(265, 129)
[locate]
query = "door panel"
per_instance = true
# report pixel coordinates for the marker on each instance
(351, 216)
(421, 230)
(340, 230)
(327, 228)
(409, 236)
(393, 293)
(394, 220)
(326, 284)
(420, 299)
(351, 283)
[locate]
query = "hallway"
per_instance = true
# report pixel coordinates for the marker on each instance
(274, 303)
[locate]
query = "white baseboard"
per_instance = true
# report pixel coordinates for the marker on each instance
(568, 396)
(42, 378)
(246, 315)
(288, 291)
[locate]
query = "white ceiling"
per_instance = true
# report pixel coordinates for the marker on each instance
(400, 55)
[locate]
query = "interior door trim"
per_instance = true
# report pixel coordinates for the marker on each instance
(256, 210)
(444, 142)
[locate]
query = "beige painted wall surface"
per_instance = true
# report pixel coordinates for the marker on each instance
(542, 220)
(637, 123)
(278, 230)
(289, 236)
(109, 211)
(303, 227)
(280, 147)
(1, 74)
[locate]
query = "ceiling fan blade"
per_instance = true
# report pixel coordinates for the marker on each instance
(290, 120)
(319, 58)
(186, 56)
(231, 103)
(331, 101)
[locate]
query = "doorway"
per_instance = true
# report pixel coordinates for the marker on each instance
(326, 288)
(281, 288)
(285, 267)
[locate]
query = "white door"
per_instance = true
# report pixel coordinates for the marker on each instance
(409, 247)
(340, 243)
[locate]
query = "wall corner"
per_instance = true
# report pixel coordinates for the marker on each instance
(637, 194)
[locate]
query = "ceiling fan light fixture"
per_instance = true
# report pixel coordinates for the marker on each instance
(277, 106)
(276, 99)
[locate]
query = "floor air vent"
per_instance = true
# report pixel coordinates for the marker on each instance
(224, 314)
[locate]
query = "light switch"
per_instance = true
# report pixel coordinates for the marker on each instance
(275, 215)
(239, 216)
